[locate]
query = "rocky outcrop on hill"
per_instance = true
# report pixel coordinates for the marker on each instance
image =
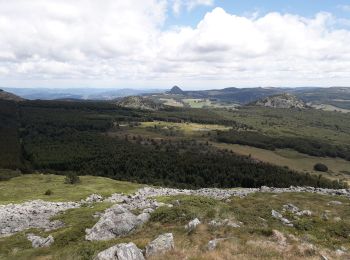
(138, 102)
(281, 101)
(142, 198)
(32, 214)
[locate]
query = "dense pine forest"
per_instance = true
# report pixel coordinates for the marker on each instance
(60, 136)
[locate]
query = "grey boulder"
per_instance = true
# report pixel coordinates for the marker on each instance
(121, 252)
(161, 244)
(192, 224)
(115, 222)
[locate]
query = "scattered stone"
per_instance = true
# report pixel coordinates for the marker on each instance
(279, 216)
(324, 216)
(339, 252)
(38, 241)
(93, 198)
(225, 222)
(161, 244)
(337, 219)
(323, 257)
(276, 214)
(121, 252)
(304, 213)
(291, 208)
(192, 224)
(212, 244)
(115, 222)
(334, 202)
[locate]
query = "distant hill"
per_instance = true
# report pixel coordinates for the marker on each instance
(4, 95)
(176, 91)
(78, 93)
(284, 100)
(139, 102)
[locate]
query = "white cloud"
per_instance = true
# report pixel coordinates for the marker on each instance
(124, 43)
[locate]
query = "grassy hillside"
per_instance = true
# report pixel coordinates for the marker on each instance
(34, 186)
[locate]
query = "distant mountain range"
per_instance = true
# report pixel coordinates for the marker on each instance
(78, 93)
(338, 97)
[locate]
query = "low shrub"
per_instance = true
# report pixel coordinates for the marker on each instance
(48, 192)
(320, 167)
(72, 178)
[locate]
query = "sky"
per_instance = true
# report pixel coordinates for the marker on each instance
(195, 44)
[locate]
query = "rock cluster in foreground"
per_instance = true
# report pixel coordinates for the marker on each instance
(37, 214)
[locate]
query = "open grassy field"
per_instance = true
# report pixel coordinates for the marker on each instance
(252, 240)
(332, 127)
(171, 102)
(338, 168)
(33, 186)
(187, 128)
(201, 103)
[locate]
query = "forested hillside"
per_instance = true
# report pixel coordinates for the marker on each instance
(60, 136)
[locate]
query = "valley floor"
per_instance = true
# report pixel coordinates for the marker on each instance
(320, 224)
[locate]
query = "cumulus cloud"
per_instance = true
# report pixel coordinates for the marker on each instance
(124, 42)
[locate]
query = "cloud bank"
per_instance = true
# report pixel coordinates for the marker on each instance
(125, 43)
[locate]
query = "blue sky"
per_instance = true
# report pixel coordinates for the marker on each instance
(306, 8)
(194, 44)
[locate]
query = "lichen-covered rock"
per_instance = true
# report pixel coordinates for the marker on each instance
(38, 241)
(192, 224)
(115, 222)
(121, 252)
(161, 244)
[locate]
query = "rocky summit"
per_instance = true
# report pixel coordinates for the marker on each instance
(285, 100)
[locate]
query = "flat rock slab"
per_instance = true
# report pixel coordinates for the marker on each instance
(33, 214)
